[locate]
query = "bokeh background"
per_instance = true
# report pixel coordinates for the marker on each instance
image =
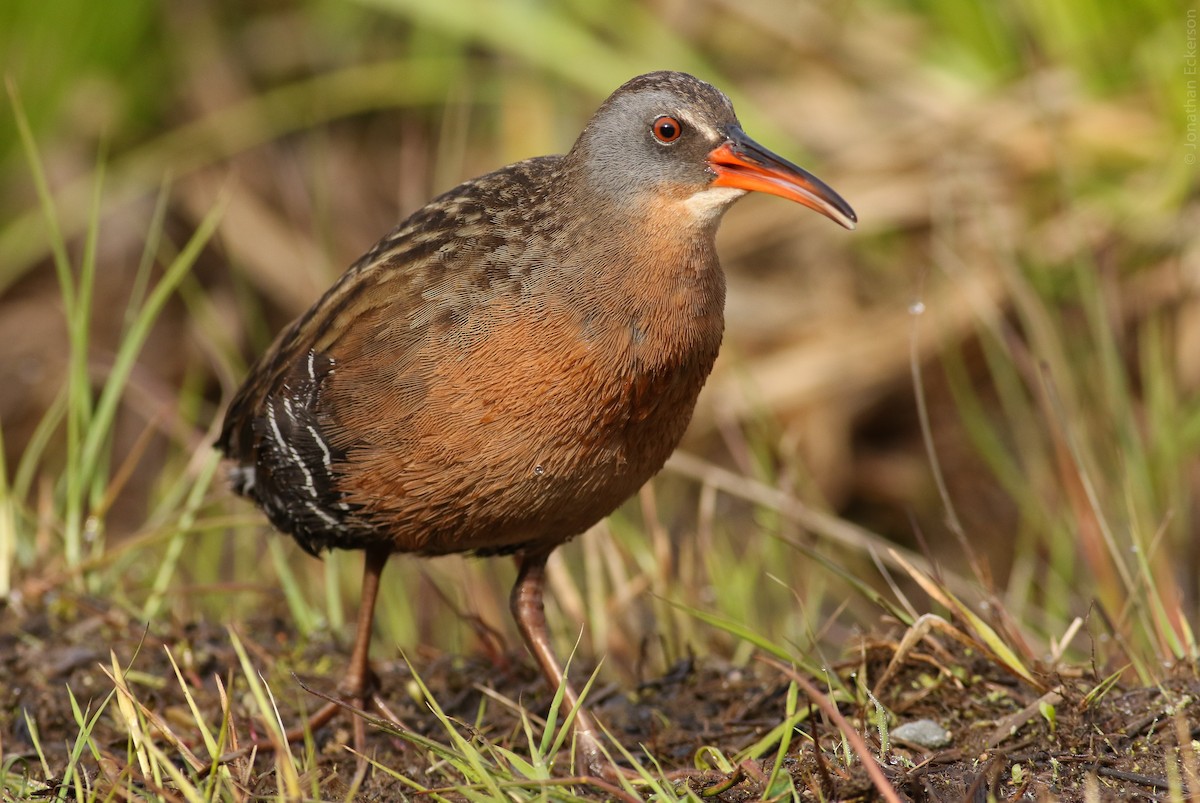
(998, 373)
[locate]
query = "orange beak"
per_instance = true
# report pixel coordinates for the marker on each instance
(742, 163)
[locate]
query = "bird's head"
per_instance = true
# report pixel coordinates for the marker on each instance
(668, 138)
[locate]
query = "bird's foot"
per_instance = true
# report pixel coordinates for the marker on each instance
(350, 700)
(592, 761)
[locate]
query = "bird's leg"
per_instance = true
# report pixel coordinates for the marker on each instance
(360, 679)
(530, 615)
(357, 687)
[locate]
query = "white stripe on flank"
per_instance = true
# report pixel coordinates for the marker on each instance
(308, 479)
(326, 458)
(325, 517)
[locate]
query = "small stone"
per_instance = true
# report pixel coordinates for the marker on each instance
(923, 732)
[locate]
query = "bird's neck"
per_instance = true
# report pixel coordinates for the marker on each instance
(646, 273)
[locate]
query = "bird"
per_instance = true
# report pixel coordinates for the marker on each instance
(512, 361)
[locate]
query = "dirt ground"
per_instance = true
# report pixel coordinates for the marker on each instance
(1008, 739)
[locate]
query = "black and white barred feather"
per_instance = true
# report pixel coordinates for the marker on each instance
(289, 467)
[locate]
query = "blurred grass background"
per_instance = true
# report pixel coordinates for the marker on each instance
(997, 372)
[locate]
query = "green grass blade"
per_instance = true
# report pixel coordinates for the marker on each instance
(139, 330)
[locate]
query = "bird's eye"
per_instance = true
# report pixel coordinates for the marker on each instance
(666, 129)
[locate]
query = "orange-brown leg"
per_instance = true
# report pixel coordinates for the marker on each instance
(359, 679)
(529, 612)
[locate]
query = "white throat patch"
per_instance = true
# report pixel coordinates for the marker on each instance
(707, 203)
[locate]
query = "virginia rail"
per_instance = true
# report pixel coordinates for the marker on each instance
(515, 359)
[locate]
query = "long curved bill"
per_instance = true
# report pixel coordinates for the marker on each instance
(742, 163)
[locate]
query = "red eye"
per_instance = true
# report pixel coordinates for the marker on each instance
(666, 129)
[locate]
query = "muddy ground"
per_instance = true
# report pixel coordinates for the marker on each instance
(1009, 739)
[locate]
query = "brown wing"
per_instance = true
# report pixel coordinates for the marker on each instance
(283, 427)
